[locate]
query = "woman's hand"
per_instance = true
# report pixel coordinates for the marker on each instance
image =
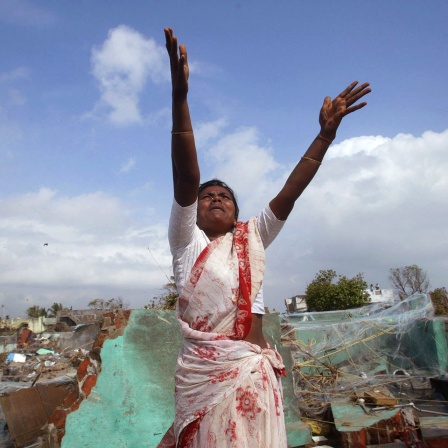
(332, 112)
(178, 64)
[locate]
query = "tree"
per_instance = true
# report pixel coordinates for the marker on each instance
(439, 298)
(323, 294)
(168, 299)
(53, 310)
(109, 305)
(36, 311)
(409, 280)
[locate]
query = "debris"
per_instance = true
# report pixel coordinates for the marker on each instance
(379, 398)
(27, 410)
(15, 357)
(164, 320)
(383, 357)
(44, 351)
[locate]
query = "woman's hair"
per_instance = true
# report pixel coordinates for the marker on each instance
(220, 183)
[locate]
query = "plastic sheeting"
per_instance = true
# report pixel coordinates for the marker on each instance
(339, 353)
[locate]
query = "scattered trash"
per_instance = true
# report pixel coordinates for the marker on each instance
(44, 351)
(16, 357)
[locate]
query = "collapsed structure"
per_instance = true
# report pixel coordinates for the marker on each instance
(355, 378)
(351, 366)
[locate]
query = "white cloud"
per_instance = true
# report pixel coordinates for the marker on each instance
(376, 203)
(204, 132)
(88, 211)
(122, 65)
(240, 161)
(85, 246)
(128, 166)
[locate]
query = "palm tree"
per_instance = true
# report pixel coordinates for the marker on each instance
(53, 310)
(36, 311)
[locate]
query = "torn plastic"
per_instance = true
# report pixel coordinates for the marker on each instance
(337, 353)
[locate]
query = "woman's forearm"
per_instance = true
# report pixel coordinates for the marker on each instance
(186, 172)
(300, 177)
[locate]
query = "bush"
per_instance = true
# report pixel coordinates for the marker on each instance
(439, 298)
(323, 294)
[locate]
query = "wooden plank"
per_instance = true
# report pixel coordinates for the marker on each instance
(379, 398)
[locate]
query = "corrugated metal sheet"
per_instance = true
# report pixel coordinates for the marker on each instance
(25, 415)
(27, 410)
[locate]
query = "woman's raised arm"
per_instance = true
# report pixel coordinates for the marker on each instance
(330, 117)
(186, 174)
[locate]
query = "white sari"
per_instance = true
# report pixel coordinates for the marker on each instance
(228, 392)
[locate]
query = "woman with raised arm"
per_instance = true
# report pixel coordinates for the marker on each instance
(227, 385)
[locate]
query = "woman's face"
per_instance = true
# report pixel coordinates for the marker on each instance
(216, 211)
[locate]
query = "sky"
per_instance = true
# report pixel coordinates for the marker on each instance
(85, 171)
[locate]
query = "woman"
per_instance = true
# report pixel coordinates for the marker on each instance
(228, 390)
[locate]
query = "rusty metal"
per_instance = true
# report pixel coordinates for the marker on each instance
(27, 410)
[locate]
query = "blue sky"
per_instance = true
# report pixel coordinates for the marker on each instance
(85, 139)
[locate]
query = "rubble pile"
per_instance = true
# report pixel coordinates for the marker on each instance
(352, 365)
(46, 377)
(35, 362)
(36, 378)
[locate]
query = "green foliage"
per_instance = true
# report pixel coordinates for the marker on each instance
(168, 299)
(439, 298)
(36, 311)
(53, 310)
(324, 294)
(109, 305)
